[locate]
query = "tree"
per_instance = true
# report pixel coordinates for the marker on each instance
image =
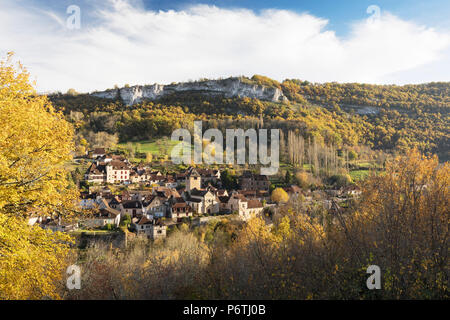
(102, 139)
(130, 149)
(402, 223)
(125, 221)
(341, 180)
(229, 180)
(352, 155)
(302, 179)
(288, 178)
(35, 142)
(72, 92)
(279, 195)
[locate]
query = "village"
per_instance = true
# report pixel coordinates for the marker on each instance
(151, 201)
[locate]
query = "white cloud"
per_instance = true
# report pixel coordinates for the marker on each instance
(123, 43)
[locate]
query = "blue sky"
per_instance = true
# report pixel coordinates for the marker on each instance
(140, 41)
(433, 13)
(340, 13)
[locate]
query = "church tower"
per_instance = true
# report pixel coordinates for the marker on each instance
(193, 180)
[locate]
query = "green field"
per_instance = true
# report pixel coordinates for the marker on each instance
(159, 148)
(358, 175)
(155, 147)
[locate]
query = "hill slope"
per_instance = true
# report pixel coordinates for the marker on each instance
(385, 117)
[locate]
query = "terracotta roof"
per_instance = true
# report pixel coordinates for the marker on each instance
(221, 192)
(118, 165)
(144, 220)
(239, 196)
(293, 189)
(166, 192)
(99, 151)
(254, 204)
(181, 205)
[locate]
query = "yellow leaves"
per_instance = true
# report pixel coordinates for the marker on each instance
(32, 260)
(256, 230)
(279, 195)
(35, 142)
(403, 218)
(283, 230)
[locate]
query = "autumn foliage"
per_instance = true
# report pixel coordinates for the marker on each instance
(35, 143)
(400, 224)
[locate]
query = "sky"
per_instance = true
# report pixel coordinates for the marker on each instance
(118, 42)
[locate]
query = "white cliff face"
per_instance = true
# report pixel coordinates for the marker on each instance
(232, 87)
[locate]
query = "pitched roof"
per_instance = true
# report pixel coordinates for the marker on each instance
(189, 199)
(293, 189)
(132, 204)
(118, 165)
(99, 151)
(254, 204)
(222, 192)
(258, 177)
(192, 172)
(207, 172)
(114, 201)
(198, 193)
(96, 169)
(144, 220)
(166, 192)
(239, 196)
(181, 205)
(152, 199)
(224, 199)
(108, 212)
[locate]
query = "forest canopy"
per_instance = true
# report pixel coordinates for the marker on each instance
(383, 117)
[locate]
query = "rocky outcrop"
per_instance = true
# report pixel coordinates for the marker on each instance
(229, 88)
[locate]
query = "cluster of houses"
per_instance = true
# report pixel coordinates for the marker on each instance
(174, 205)
(115, 169)
(172, 198)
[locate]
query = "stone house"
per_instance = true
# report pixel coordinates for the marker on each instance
(202, 201)
(117, 172)
(132, 208)
(245, 208)
(180, 210)
(103, 217)
(155, 205)
(251, 181)
(152, 228)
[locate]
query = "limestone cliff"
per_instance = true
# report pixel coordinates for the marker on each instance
(229, 88)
